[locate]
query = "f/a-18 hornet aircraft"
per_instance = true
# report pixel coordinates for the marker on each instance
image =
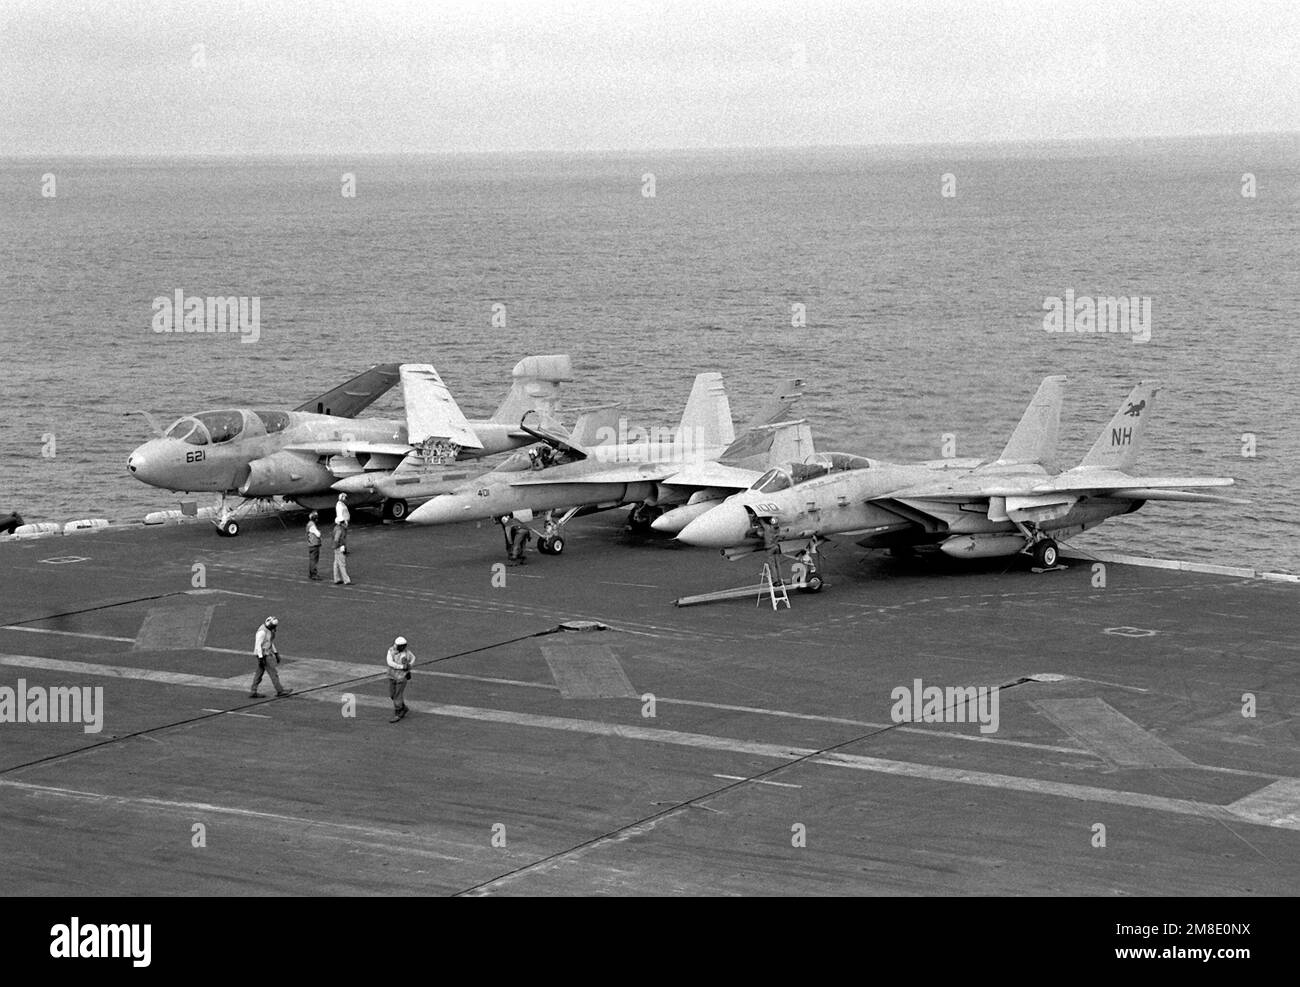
(668, 477)
(301, 454)
(1009, 506)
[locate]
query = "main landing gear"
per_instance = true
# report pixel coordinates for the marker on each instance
(1046, 553)
(395, 509)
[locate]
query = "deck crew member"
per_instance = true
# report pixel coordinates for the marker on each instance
(313, 546)
(517, 538)
(340, 554)
(268, 656)
(341, 513)
(399, 660)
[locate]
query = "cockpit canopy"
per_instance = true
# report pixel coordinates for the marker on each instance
(216, 427)
(797, 473)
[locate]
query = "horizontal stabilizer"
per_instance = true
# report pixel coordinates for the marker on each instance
(1084, 482)
(347, 400)
(431, 411)
(1182, 496)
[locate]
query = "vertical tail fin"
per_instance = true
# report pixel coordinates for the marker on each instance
(536, 387)
(1034, 440)
(792, 442)
(706, 422)
(1121, 441)
(780, 404)
(597, 427)
(773, 428)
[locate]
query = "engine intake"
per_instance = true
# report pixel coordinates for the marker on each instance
(285, 474)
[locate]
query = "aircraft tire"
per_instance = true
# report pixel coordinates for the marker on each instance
(1046, 554)
(230, 529)
(813, 584)
(557, 545)
(396, 509)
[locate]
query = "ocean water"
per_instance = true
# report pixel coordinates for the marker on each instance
(924, 313)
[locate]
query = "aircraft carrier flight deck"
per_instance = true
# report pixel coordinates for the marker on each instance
(1146, 739)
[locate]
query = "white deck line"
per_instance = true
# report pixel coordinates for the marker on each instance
(1118, 558)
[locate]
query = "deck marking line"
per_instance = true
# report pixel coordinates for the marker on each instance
(1277, 804)
(697, 741)
(586, 670)
(1101, 728)
(174, 628)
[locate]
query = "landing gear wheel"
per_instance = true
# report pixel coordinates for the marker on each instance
(557, 545)
(1045, 554)
(544, 546)
(396, 509)
(228, 528)
(813, 584)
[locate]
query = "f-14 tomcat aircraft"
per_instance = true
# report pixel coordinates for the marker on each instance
(687, 470)
(301, 453)
(1010, 506)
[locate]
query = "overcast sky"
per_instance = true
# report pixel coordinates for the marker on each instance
(346, 76)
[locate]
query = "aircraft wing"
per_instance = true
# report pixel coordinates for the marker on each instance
(613, 473)
(1057, 493)
(341, 448)
(431, 411)
(347, 400)
(713, 475)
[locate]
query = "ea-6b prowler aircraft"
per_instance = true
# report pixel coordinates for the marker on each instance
(301, 454)
(687, 471)
(1010, 506)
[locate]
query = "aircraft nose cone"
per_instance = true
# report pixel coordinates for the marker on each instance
(138, 464)
(725, 526)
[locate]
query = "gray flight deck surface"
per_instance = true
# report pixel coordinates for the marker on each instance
(767, 725)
